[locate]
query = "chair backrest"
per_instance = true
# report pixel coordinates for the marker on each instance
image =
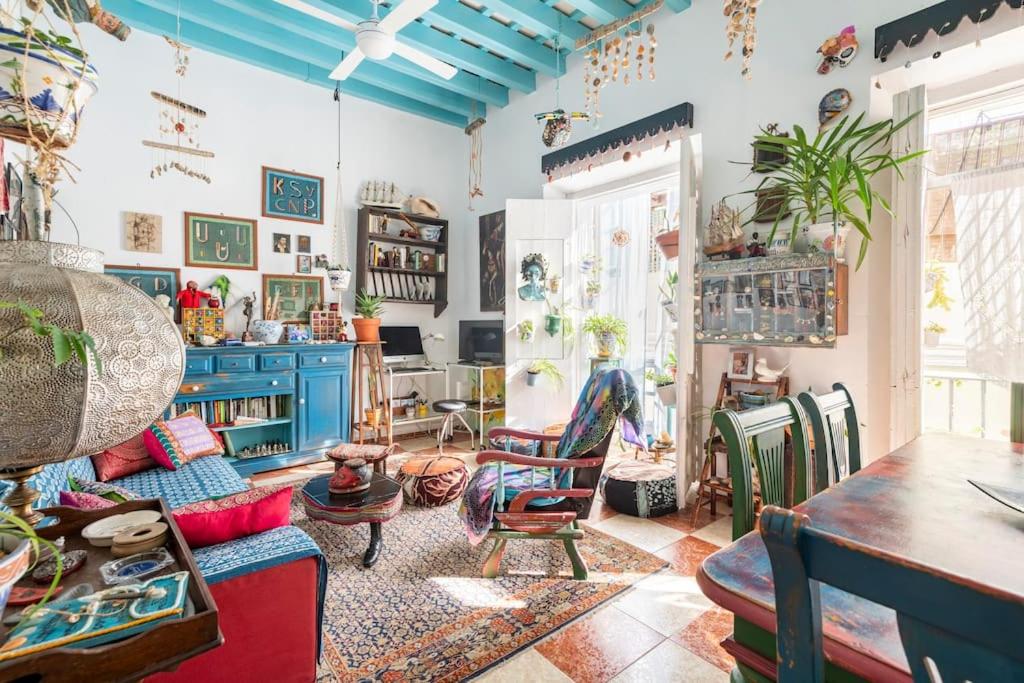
(952, 629)
(836, 435)
(764, 431)
(589, 477)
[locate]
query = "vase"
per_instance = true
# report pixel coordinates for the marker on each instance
(931, 339)
(367, 329)
(668, 242)
(667, 394)
(13, 565)
(531, 378)
(552, 324)
(267, 331)
(605, 345)
(58, 84)
(828, 239)
(339, 279)
(670, 310)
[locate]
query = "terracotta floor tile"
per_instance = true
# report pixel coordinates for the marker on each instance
(687, 554)
(597, 647)
(666, 601)
(682, 520)
(600, 510)
(670, 663)
(703, 635)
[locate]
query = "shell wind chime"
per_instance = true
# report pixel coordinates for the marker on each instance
(742, 15)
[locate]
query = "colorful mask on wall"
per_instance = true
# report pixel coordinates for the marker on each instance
(832, 105)
(839, 50)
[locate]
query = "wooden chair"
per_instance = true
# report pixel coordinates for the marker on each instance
(836, 435)
(524, 518)
(952, 628)
(764, 431)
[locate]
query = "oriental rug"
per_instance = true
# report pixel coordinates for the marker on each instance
(423, 613)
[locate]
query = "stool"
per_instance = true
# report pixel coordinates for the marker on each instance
(640, 488)
(433, 480)
(373, 454)
(452, 408)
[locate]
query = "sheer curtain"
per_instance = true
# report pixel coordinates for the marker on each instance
(990, 251)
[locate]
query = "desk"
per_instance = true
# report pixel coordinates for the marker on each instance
(914, 502)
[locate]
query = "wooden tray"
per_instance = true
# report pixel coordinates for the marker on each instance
(161, 648)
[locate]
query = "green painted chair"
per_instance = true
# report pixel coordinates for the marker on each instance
(836, 435)
(758, 438)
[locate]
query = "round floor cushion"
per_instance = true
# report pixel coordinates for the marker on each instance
(640, 488)
(433, 480)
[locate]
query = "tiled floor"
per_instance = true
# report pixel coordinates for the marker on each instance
(662, 629)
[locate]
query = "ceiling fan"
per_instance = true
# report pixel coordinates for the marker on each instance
(375, 37)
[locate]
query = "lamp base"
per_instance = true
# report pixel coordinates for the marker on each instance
(22, 496)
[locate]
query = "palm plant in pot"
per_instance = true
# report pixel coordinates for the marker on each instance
(545, 368)
(369, 307)
(827, 182)
(609, 333)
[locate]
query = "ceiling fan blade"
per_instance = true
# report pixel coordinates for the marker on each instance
(318, 13)
(405, 13)
(435, 66)
(347, 65)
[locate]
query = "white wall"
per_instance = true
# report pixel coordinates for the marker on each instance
(255, 118)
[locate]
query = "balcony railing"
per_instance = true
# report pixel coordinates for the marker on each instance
(964, 403)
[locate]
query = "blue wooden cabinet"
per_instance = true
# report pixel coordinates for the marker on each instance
(300, 396)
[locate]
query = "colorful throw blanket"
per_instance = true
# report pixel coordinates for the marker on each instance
(610, 395)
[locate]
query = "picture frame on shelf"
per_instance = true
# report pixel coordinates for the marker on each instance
(292, 196)
(281, 243)
(741, 364)
(143, 232)
(150, 279)
(214, 241)
(298, 294)
(297, 333)
(303, 264)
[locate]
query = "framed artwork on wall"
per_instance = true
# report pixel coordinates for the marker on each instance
(152, 281)
(220, 242)
(741, 364)
(282, 243)
(297, 294)
(292, 196)
(302, 244)
(492, 261)
(143, 232)
(304, 264)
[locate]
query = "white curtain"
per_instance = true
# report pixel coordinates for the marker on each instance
(990, 250)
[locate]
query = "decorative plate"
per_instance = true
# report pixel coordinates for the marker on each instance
(101, 532)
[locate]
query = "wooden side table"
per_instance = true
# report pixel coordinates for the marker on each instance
(374, 506)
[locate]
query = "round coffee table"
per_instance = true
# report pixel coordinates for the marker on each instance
(374, 506)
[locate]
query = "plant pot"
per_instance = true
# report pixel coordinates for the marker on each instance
(267, 331)
(667, 394)
(668, 242)
(50, 77)
(527, 335)
(822, 237)
(670, 310)
(587, 265)
(552, 324)
(13, 565)
(531, 378)
(931, 339)
(605, 345)
(373, 416)
(589, 300)
(367, 329)
(339, 279)
(554, 284)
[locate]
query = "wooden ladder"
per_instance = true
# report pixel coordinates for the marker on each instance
(369, 378)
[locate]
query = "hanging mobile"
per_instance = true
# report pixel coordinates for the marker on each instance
(558, 123)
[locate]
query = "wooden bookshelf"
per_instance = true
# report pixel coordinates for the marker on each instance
(408, 285)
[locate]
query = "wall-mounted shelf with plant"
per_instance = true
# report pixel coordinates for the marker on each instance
(547, 369)
(610, 334)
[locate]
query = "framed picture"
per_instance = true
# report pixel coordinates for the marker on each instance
(297, 294)
(298, 334)
(302, 244)
(304, 264)
(492, 262)
(292, 196)
(321, 261)
(220, 242)
(152, 281)
(282, 243)
(143, 232)
(741, 364)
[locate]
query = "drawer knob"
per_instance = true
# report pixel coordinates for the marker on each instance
(273, 383)
(323, 359)
(195, 387)
(302, 401)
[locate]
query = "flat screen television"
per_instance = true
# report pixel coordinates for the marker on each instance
(482, 341)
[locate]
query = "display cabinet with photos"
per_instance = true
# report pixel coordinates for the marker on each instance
(787, 300)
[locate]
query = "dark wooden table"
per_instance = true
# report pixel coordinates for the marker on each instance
(915, 502)
(374, 506)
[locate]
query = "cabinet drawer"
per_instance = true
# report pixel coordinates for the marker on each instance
(270, 382)
(236, 362)
(326, 359)
(277, 361)
(198, 365)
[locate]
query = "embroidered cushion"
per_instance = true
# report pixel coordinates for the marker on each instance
(120, 461)
(217, 521)
(113, 492)
(84, 501)
(172, 443)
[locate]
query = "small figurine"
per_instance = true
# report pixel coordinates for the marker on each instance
(763, 372)
(247, 304)
(192, 296)
(164, 302)
(756, 247)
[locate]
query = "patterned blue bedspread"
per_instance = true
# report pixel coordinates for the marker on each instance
(201, 479)
(253, 553)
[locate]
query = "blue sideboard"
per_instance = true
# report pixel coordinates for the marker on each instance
(300, 396)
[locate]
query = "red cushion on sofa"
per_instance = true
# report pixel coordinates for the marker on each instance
(210, 522)
(120, 461)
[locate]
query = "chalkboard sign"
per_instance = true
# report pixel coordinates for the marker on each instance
(152, 281)
(220, 242)
(298, 294)
(293, 196)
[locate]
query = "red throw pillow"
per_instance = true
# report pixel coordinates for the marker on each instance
(210, 522)
(85, 501)
(172, 443)
(120, 461)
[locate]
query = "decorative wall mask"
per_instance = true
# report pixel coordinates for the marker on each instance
(832, 105)
(534, 270)
(839, 50)
(742, 15)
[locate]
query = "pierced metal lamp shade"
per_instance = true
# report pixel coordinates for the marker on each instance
(51, 414)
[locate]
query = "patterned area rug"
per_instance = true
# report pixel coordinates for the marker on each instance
(423, 613)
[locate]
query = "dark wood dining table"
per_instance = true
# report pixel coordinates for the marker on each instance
(915, 502)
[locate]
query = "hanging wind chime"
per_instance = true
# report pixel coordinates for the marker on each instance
(476, 156)
(741, 14)
(558, 123)
(177, 147)
(615, 51)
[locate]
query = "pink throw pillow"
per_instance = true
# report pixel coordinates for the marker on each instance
(84, 501)
(172, 443)
(120, 461)
(210, 522)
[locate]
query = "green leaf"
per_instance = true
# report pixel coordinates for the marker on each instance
(61, 345)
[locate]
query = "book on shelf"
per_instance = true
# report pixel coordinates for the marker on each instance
(237, 411)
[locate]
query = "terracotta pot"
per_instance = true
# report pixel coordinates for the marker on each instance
(367, 329)
(669, 243)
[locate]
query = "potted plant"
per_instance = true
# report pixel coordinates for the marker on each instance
(369, 307)
(553, 319)
(554, 283)
(547, 369)
(932, 332)
(668, 242)
(609, 333)
(590, 263)
(827, 182)
(590, 293)
(668, 294)
(338, 277)
(665, 385)
(526, 331)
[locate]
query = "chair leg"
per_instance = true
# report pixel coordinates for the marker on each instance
(579, 567)
(466, 425)
(493, 562)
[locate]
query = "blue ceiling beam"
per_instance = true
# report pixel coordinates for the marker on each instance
(265, 35)
(540, 18)
(153, 21)
(604, 11)
(306, 27)
(441, 46)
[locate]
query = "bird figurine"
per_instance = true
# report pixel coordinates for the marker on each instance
(765, 373)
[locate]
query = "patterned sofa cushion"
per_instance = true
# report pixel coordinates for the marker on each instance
(244, 555)
(200, 479)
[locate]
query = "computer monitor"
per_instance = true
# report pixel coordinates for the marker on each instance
(402, 344)
(482, 341)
